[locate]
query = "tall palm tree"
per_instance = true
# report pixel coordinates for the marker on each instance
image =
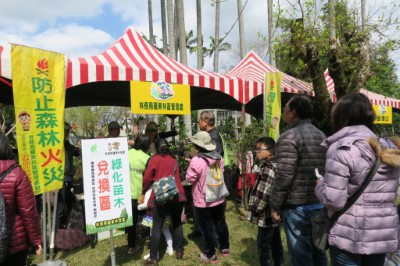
(217, 20)
(193, 47)
(241, 28)
(200, 59)
(164, 27)
(182, 32)
(182, 53)
(150, 12)
(220, 46)
(171, 32)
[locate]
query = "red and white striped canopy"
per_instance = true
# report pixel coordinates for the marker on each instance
(132, 58)
(252, 69)
(5, 61)
(375, 98)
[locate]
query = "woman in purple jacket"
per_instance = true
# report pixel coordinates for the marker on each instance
(370, 228)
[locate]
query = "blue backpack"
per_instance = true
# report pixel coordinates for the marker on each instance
(4, 226)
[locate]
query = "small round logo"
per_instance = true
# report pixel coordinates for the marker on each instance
(382, 109)
(161, 90)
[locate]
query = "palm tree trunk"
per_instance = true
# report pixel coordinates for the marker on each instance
(164, 27)
(171, 31)
(183, 53)
(270, 21)
(241, 28)
(150, 12)
(217, 20)
(182, 31)
(200, 58)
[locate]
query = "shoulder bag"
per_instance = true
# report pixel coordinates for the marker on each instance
(165, 189)
(321, 224)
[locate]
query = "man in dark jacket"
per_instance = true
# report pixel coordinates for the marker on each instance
(207, 123)
(298, 152)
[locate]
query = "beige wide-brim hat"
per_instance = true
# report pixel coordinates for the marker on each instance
(203, 140)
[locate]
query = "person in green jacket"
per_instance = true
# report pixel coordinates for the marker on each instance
(137, 163)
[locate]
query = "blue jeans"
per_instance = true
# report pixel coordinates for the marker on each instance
(341, 257)
(269, 244)
(297, 225)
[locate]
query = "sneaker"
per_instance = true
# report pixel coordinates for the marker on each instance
(145, 257)
(170, 251)
(213, 259)
(149, 261)
(225, 252)
(133, 249)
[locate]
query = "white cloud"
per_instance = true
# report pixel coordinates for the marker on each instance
(73, 40)
(68, 27)
(27, 16)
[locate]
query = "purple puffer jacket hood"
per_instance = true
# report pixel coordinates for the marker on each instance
(371, 225)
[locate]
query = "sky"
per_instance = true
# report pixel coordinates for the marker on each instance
(87, 27)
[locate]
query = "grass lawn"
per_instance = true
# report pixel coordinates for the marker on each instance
(243, 248)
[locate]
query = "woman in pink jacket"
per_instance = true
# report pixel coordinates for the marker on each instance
(21, 211)
(210, 213)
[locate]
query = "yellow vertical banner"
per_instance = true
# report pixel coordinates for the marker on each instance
(272, 103)
(39, 100)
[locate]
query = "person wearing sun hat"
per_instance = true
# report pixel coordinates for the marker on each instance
(210, 213)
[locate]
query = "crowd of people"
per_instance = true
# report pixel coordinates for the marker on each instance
(287, 192)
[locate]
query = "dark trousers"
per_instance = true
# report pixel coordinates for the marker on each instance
(209, 217)
(65, 202)
(269, 244)
(196, 220)
(131, 230)
(16, 259)
(160, 212)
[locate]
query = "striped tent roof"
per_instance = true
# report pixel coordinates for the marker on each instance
(375, 98)
(5, 61)
(252, 69)
(132, 58)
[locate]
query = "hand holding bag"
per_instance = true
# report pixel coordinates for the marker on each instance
(321, 224)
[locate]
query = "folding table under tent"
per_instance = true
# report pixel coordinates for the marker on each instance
(103, 79)
(252, 70)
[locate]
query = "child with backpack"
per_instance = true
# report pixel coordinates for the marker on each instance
(209, 199)
(269, 241)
